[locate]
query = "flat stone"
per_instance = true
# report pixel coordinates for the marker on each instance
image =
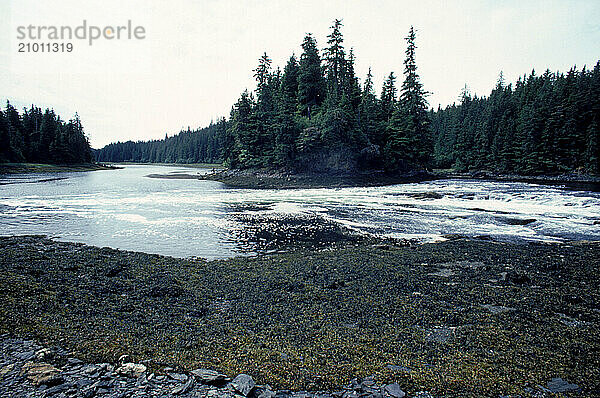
(178, 376)
(41, 373)
(243, 384)
(133, 370)
(558, 385)
(74, 361)
(207, 376)
(184, 388)
(440, 334)
(56, 389)
(393, 390)
(423, 394)
(397, 368)
(26, 356)
(497, 309)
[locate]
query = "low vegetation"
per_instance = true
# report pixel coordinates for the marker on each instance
(463, 317)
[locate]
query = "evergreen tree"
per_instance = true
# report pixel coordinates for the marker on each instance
(311, 84)
(389, 94)
(409, 142)
(335, 60)
(34, 137)
(5, 144)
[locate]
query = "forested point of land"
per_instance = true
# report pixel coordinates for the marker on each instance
(37, 136)
(315, 116)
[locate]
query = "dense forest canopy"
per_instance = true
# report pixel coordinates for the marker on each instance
(544, 124)
(189, 146)
(41, 137)
(315, 116)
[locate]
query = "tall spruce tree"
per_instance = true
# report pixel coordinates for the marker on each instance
(335, 60)
(311, 84)
(389, 94)
(409, 142)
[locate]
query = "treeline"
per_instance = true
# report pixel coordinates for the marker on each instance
(38, 136)
(315, 116)
(312, 116)
(544, 124)
(189, 146)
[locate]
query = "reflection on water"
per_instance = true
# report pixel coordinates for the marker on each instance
(124, 209)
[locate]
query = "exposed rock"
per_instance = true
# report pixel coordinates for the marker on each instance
(43, 354)
(26, 356)
(393, 390)
(124, 359)
(263, 392)
(177, 376)
(440, 334)
(6, 369)
(207, 376)
(396, 368)
(74, 361)
(182, 389)
(497, 309)
(243, 384)
(558, 385)
(130, 369)
(42, 373)
(443, 273)
(56, 389)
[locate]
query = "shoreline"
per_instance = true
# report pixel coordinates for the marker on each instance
(461, 317)
(269, 179)
(28, 168)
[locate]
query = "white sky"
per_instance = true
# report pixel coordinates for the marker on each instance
(198, 56)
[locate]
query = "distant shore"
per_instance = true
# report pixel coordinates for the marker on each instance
(20, 168)
(461, 317)
(189, 165)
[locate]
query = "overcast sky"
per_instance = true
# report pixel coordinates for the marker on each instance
(198, 56)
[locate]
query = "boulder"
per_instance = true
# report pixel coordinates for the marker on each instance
(243, 384)
(130, 369)
(393, 390)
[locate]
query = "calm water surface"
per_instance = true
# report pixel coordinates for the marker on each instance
(126, 210)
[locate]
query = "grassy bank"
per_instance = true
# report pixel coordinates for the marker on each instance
(17, 168)
(468, 318)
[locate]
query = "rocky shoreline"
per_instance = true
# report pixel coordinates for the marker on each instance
(30, 370)
(457, 318)
(276, 179)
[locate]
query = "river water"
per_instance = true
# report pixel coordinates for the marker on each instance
(191, 218)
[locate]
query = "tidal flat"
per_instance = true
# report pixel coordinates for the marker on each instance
(456, 318)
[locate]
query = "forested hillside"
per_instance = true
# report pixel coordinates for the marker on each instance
(315, 116)
(41, 137)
